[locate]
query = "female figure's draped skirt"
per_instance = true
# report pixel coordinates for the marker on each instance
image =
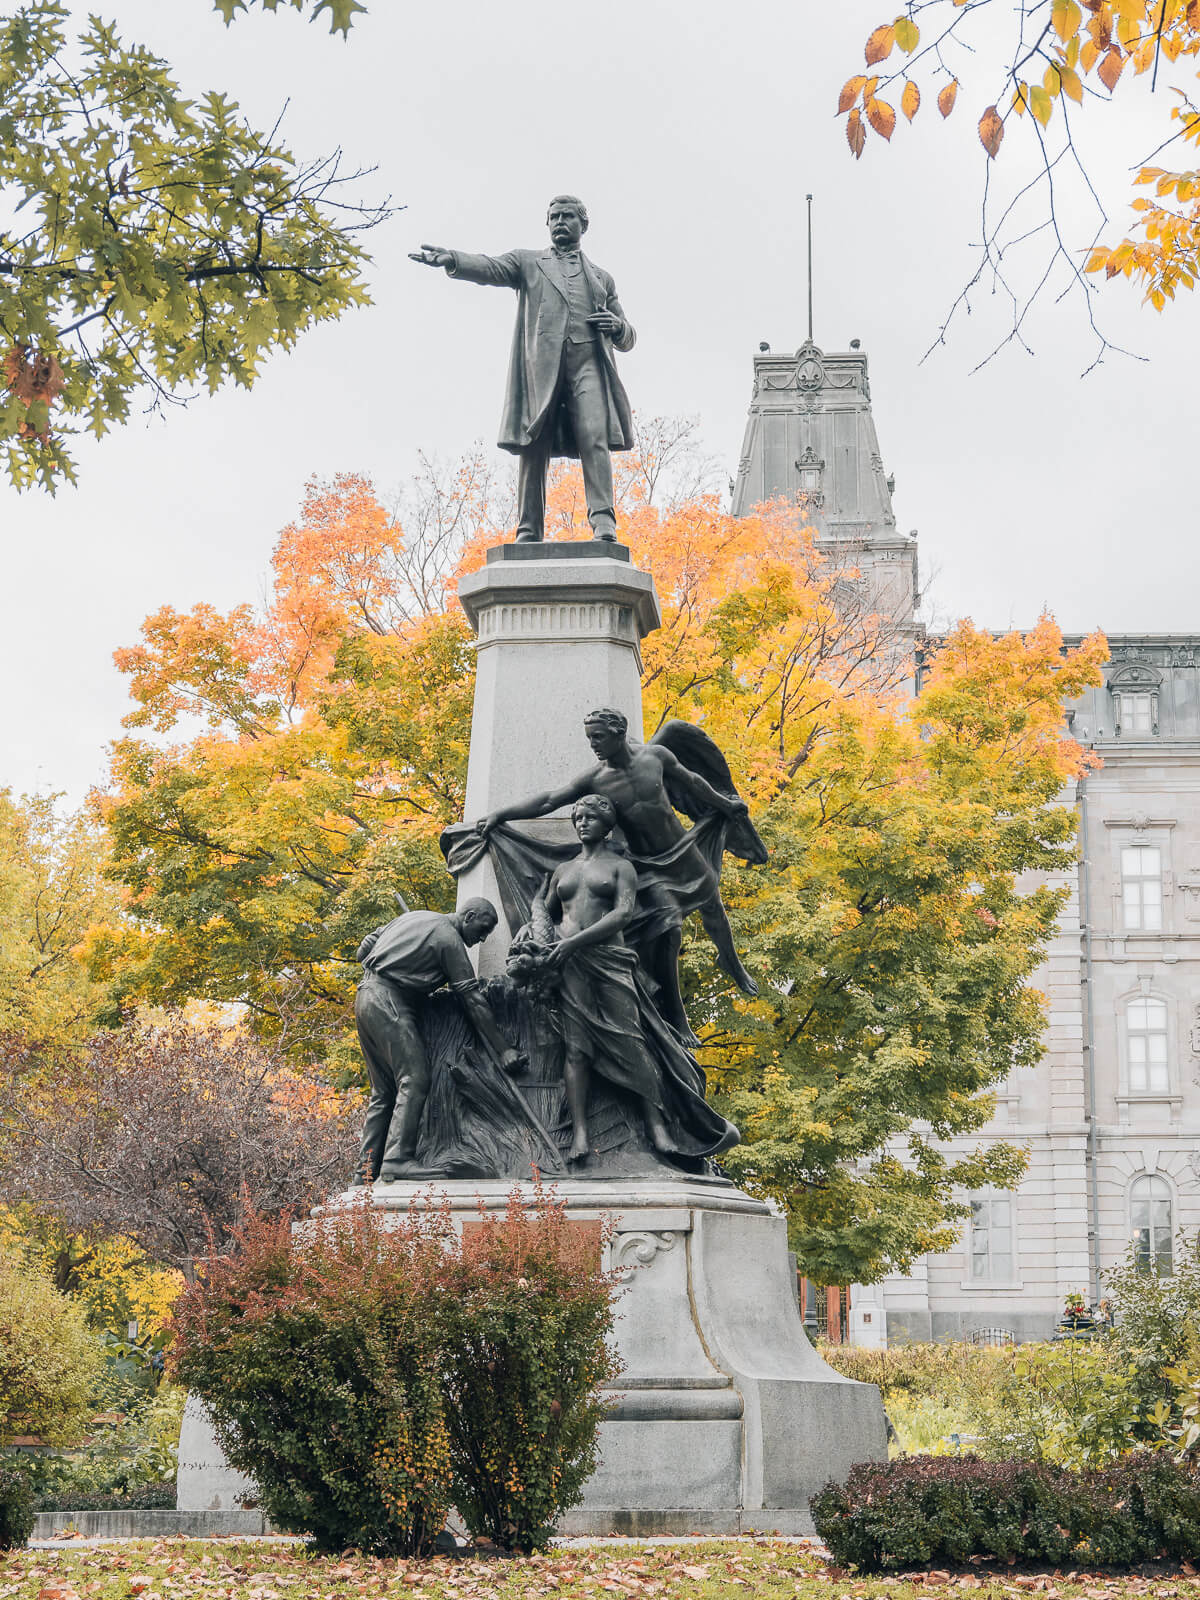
(609, 1017)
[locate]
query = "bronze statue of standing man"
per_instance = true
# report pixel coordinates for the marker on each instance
(564, 397)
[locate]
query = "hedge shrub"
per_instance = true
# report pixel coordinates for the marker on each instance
(365, 1375)
(16, 1505)
(147, 1497)
(942, 1510)
(50, 1361)
(523, 1348)
(317, 1362)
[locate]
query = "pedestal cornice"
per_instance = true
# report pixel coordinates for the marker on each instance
(560, 599)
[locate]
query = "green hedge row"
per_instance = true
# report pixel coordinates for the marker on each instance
(145, 1497)
(923, 1511)
(16, 1505)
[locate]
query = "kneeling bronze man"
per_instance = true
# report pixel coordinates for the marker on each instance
(405, 960)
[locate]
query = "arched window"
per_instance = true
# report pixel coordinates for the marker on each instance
(1146, 1028)
(1150, 1216)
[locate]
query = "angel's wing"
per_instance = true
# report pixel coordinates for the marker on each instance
(693, 749)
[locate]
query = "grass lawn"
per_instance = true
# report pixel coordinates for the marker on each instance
(171, 1569)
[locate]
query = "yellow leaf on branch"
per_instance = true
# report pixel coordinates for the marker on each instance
(882, 118)
(1040, 104)
(850, 92)
(991, 129)
(1065, 17)
(880, 43)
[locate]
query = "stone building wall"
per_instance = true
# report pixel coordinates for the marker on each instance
(1111, 1115)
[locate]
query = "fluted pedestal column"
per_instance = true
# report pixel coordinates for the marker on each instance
(559, 630)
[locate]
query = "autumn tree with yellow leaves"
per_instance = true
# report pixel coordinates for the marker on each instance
(893, 943)
(52, 890)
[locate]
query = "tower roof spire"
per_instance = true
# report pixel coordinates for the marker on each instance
(810, 437)
(808, 197)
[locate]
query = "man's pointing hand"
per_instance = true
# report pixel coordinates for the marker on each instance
(432, 255)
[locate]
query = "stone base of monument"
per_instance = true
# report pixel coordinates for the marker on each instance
(725, 1419)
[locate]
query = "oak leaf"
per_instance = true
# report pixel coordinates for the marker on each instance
(947, 97)
(991, 127)
(910, 100)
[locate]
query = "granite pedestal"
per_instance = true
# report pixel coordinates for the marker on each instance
(724, 1418)
(558, 633)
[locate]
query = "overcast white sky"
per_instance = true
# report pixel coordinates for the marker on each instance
(693, 129)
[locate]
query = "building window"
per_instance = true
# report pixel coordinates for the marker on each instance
(991, 1239)
(1152, 1226)
(1146, 1025)
(1136, 713)
(1141, 886)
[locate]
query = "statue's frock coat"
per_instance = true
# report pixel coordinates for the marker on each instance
(537, 347)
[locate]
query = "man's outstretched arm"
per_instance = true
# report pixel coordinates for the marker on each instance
(502, 272)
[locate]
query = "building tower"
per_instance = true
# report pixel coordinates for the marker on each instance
(810, 438)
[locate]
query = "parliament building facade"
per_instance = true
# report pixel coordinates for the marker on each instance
(1111, 1115)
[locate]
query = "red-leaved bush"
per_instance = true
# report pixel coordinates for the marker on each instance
(368, 1370)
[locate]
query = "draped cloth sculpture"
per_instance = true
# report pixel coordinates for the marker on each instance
(599, 1077)
(678, 868)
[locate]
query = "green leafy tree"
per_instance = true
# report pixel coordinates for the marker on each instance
(49, 1359)
(150, 242)
(51, 891)
(898, 944)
